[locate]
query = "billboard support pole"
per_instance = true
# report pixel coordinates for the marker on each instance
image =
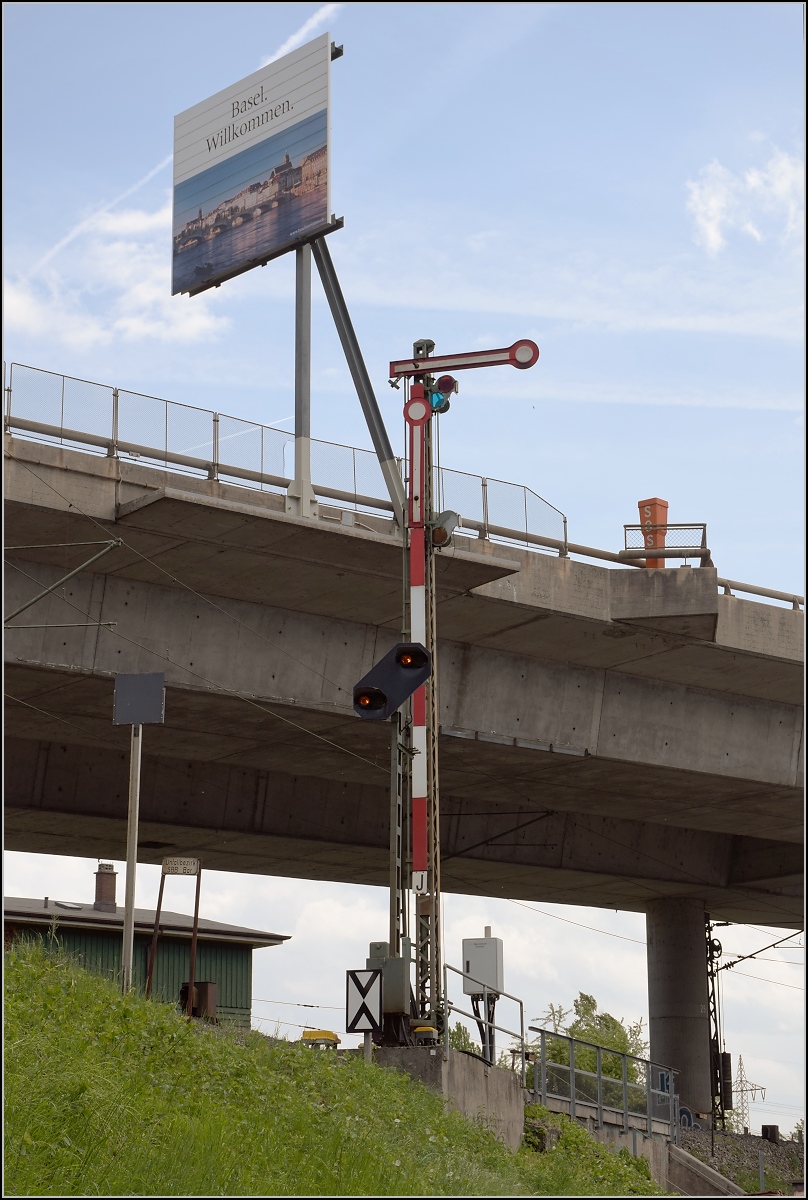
(364, 389)
(301, 501)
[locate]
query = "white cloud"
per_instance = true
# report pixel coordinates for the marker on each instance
(762, 202)
(115, 283)
(322, 15)
(89, 222)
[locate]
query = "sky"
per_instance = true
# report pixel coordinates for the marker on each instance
(623, 183)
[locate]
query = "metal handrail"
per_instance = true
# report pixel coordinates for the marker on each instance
(753, 590)
(214, 467)
(486, 991)
(666, 1098)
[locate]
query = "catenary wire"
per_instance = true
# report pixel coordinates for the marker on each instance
(179, 582)
(521, 903)
(219, 686)
(166, 765)
(294, 724)
(296, 1004)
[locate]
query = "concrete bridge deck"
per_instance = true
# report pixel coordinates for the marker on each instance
(608, 737)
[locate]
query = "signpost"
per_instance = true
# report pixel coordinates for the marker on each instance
(252, 180)
(139, 700)
(364, 1007)
(177, 866)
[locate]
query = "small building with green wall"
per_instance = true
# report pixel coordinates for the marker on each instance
(93, 933)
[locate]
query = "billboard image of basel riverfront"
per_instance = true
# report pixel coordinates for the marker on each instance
(240, 209)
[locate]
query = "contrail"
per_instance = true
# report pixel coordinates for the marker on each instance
(88, 221)
(297, 39)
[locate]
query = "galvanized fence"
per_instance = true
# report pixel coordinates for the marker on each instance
(589, 1080)
(98, 418)
(686, 537)
(80, 414)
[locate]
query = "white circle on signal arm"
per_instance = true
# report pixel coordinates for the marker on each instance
(416, 410)
(523, 353)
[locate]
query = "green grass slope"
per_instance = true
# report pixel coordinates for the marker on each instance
(110, 1095)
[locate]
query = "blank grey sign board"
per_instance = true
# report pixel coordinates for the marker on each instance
(139, 699)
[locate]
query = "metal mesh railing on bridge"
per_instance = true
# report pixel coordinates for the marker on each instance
(103, 419)
(674, 537)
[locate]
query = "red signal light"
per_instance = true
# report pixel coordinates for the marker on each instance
(411, 658)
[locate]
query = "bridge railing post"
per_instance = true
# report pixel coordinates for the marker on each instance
(112, 449)
(214, 466)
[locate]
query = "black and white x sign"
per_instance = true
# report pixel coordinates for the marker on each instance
(363, 1002)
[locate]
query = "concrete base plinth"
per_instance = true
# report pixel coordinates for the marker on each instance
(488, 1094)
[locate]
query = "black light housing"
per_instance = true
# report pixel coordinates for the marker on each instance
(393, 680)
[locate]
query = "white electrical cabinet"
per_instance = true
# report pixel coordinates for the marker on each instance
(482, 959)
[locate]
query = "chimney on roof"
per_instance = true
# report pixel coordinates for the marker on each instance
(105, 878)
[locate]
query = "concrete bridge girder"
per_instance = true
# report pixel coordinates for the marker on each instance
(239, 818)
(641, 698)
(280, 657)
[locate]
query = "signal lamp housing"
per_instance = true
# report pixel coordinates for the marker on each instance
(392, 681)
(443, 526)
(440, 392)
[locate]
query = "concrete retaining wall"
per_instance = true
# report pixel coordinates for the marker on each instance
(487, 1094)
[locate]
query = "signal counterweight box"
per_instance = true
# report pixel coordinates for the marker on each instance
(482, 959)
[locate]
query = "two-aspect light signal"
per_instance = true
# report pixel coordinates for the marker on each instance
(393, 680)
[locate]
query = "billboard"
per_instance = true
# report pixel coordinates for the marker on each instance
(251, 169)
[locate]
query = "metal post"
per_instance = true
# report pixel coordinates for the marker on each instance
(368, 1048)
(625, 1093)
(432, 724)
(112, 450)
(153, 950)
(762, 1171)
(543, 1038)
(447, 1011)
(396, 835)
(359, 374)
(522, 1037)
(301, 501)
(215, 448)
(194, 932)
(128, 949)
(572, 1078)
(600, 1087)
(649, 1097)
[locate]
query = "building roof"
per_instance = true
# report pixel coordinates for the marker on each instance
(69, 915)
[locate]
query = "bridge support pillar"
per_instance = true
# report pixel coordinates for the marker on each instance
(679, 1022)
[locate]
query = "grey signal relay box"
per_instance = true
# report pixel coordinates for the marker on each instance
(482, 959)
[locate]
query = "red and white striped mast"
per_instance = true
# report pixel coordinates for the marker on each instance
(424, 807)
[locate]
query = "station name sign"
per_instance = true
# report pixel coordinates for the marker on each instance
(252, 169)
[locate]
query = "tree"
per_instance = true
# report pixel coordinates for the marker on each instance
(460, 1039)
(599, 1029)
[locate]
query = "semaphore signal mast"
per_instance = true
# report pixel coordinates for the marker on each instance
(414, 789)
